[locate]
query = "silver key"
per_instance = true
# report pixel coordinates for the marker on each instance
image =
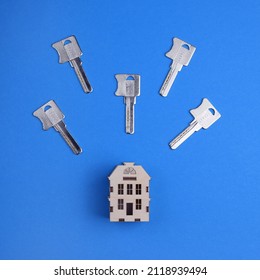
(204, 116)
(129, 87)
(181, 54)
(51, 116)
(69, 50)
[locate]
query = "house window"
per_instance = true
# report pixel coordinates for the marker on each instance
(111, 208)
(138, 204)
(147, 208)
(129, 189)
(120, 188)
(120, 204)
(111, 189)
(138, 189)
(147, 189)
(121, 220)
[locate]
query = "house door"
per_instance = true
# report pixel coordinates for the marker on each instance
(129, 209)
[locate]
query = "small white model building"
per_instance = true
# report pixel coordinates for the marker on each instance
(129, 193)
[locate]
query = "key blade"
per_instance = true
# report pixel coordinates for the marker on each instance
(126, 86)
(49, 114)
(129, 111)
(170, 78)
(184, 135)
(77, 65)
(68, 49)
(205, 114)
(181, 51)
(61, 128)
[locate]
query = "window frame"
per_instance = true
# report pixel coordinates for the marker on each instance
(138, 189)
(129, 189)
(138, 204)
(120, 189)
(120, 204)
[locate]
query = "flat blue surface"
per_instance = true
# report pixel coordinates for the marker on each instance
(205, 195)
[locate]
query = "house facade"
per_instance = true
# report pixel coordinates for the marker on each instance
(129, 193)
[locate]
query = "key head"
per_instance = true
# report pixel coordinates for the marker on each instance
(68, 49)
(205, 114)
(181, 52)
(128, 85)
(49, 114)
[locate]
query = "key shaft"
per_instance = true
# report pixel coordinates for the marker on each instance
(184, 135)
(77, 65)
(129, 110)
(61, 128)
(170, 78)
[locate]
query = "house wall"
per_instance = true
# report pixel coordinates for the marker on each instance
(117, 214)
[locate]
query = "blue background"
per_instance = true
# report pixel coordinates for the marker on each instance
(205, 195)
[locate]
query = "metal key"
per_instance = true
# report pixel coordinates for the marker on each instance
(69, 50)
(129, 87)
(204, 116)
(51, 116)
(181, 54)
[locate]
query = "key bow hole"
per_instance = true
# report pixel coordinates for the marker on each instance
(212, 111)
(130, 78)
(185, 46)
(47, 108)
(67, 42)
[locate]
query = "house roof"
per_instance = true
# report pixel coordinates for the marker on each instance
(129, 169)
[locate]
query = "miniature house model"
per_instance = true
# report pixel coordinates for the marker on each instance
(129, 193)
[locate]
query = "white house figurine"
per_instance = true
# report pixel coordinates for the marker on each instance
(129, 194)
